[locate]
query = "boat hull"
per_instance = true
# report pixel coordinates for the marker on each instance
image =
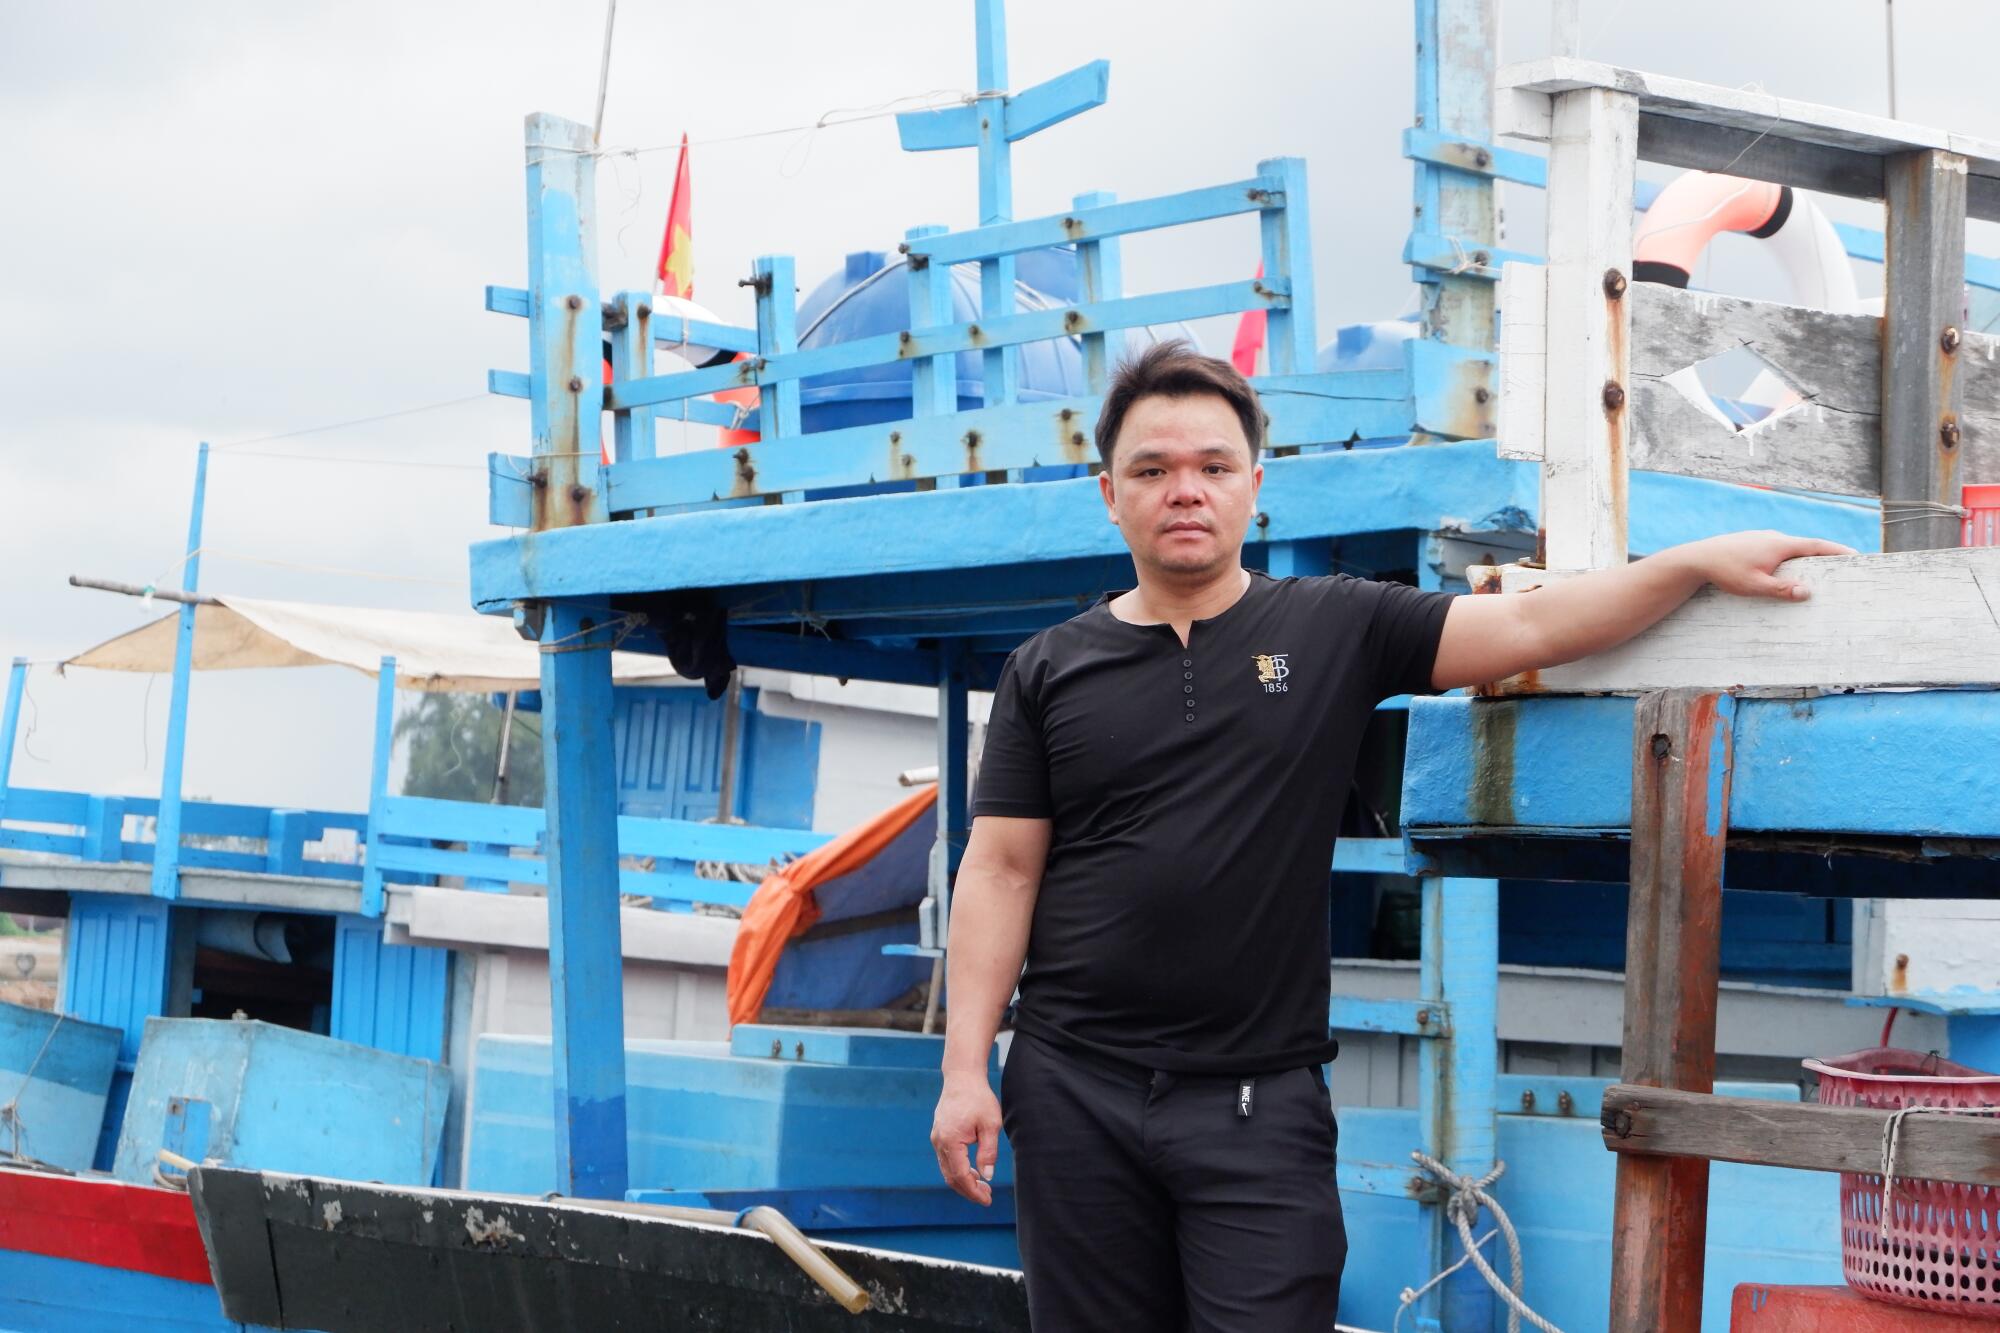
(360, 1257)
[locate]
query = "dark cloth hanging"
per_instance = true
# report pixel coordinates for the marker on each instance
(694, 628)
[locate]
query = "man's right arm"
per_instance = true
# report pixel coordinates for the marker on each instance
(992, 905)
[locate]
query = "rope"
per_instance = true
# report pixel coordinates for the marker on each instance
(1411, 1295)
(626, 625)
(1892, 1133)
(11, 1111)
(1465, 1197)
(1893, 510)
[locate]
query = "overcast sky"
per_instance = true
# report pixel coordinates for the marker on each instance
(233, 220)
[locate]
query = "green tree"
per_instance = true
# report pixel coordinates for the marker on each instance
(453, 745)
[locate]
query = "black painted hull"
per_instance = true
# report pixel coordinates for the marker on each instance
(342, 1257)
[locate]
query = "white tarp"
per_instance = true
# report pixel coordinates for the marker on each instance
(433, 651)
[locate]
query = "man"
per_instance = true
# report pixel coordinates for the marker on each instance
(1152, 830)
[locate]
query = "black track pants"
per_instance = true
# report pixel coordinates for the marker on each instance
(1147, 1201)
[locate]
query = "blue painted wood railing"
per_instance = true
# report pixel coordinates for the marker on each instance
(1308, 409)
(407, 840)
(491, 846)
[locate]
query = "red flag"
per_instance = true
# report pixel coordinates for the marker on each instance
(1249, 344)
(676, 269)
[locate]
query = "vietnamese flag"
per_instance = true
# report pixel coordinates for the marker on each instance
(1249, 344)
(676, 270)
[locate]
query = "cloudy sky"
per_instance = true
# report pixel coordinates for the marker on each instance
(229, 221)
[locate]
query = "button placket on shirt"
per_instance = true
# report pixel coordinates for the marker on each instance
(1187, 684)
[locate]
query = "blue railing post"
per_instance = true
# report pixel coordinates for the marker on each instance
(378, 787)
(585, 983)
(633, 430)
(1100, 277)
(10, 722)
(167, 827)
(585, 959)
(996, 190)
(933, 379)
(1457, 1075)
(1455, 46)
(776, 284)
(1290, 340)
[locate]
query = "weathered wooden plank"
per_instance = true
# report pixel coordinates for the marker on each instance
(1802, 1135)
(1675, 141)
(1873, 621)
(1524, 355)
(1755, 114)
(1681, 759)
(1922, 332)
(1584, 472)
(1826, 443)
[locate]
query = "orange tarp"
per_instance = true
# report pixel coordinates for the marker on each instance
(784, 906)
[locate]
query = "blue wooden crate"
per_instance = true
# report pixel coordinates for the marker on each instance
(777, 1108)
(251, 1094)
(57, 1074)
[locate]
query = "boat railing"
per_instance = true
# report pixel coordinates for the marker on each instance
(215, 835)
(414, 839)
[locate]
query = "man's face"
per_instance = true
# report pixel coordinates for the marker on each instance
(1181, 485)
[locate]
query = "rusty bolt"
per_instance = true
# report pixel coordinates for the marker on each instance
(645, 311)
(1481, 258)
(1528, 1101)
(1482, 394)
(1662, 747)
(1614, 283)
(1066, 413)
(909, 460)
(741, 455)
(1949, 339)
(578, 494)
(903, 338)
(799, 1051)
(1614, 395)
(1948, 434)
(895, 437)
(1482, 158)
(1423, 1018)
(777, 1049)
(1620, 1124)
(575, 384)
(1902, 960)
(1263, 520)
(1565, 1103)
(573, 302)
(972, 332)
(1076, 438)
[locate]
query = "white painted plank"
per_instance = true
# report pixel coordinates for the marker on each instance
(1584, 476)
(1524, 354)
(1759, 112)
(1915, 618)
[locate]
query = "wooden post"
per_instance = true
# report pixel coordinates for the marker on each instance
(167, 824)
(1593, 140)
(1455, 58)
(1680, 821)
(1923, 329)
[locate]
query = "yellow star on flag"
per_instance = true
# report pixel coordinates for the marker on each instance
(679, 265)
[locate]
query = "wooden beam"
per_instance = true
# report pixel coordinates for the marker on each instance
(1858, 630)
(1922, 332)
(1590, 263)
(1802, 1135)
(1524, 355)
(1771, 134)
(1681, 758)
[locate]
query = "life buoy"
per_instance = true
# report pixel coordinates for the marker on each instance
(1698, 206)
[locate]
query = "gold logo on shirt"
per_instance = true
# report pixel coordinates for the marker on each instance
(1271, 671)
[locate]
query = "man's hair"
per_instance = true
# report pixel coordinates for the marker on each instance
(1174, 369)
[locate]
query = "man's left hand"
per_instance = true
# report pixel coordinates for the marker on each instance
(1746, 563)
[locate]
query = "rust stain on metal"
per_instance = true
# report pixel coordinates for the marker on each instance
(1072, 320)
(1899, 978)
(1073, 228)
(1072, 442)
(975, 335)
(1617, 333)
(1468, 403)
(1490, 801)
(972, 442)
(560, 499)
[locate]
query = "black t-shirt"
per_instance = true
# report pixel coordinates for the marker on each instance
(1194, 794)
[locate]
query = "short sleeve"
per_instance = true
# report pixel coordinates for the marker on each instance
(1013, 777)
(1403, 637)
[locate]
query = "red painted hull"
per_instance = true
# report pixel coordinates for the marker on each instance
(96, 1220)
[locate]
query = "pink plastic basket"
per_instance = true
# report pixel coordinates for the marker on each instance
(1982, 521)
(1941, 1248)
